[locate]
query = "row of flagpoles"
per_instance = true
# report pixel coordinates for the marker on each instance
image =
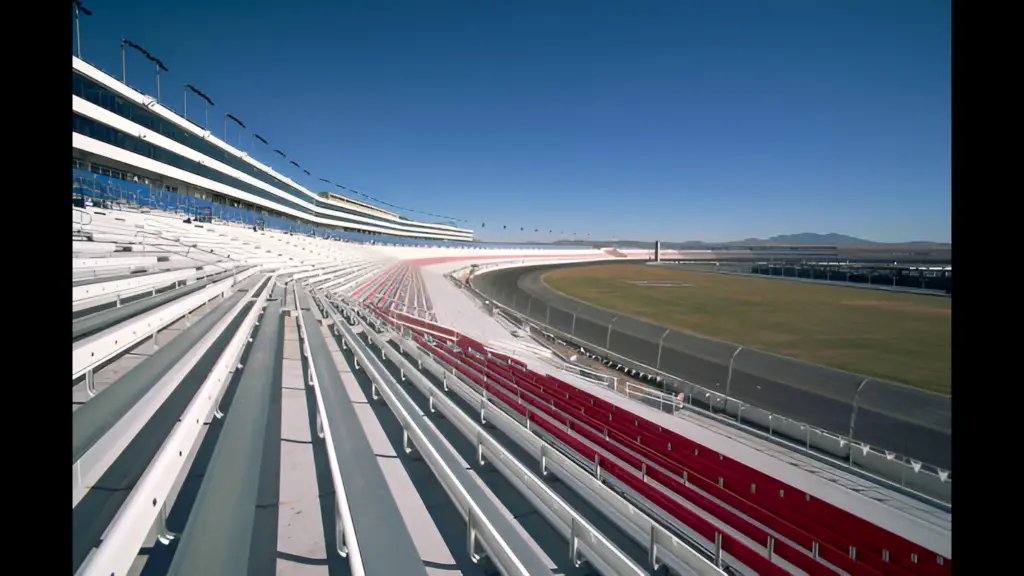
(79, 9)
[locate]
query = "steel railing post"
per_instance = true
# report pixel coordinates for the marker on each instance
(728, 378)
(661, 343)
(608, 340)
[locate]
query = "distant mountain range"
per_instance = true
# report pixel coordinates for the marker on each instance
(831, 239)
(805, 238)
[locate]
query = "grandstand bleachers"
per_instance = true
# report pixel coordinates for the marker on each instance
(812, 535)
(199, 349)
(106, 190)
(227, 363)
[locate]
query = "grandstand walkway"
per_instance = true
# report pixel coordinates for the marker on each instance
(453, 308)
(301, 540)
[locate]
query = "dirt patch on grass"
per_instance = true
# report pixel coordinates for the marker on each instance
(898, 307)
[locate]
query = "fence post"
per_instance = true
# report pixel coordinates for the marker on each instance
(853, 415)
(657, 364)
(529, 306)
(608, 340)
(728, 378)
(718, 549)
(572, 331)
(547, 316)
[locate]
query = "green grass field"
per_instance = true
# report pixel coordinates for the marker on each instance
(900, 337)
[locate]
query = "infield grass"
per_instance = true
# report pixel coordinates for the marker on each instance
(899, 337)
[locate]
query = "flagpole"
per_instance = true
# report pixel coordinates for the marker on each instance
(80, 11)
(78, 33)
(124, 71)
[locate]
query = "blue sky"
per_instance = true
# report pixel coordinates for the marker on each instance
(647, 119)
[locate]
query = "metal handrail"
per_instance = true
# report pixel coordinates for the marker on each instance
(147, 502)
(347, 544)
(482, 525)
(579, 532)
(661, 545)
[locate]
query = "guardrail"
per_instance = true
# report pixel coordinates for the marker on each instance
(486, 524)
(148, 501)
(103, 427)
(95, 322)
(127, 286)
(347, 545)
(373, 517)
(596, 377)
(90, 353)
(887, 469)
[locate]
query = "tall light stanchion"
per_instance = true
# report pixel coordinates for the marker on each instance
(241, 127)
(159, 66)
(206, 106)
(79, 9)
(261, 139)
(78, 35)
(156, 61)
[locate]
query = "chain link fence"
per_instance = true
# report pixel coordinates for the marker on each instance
(881, 415)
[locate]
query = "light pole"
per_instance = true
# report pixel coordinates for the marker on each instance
(79, 8)
(236, 121)
(206, 106)
(156, 61)
(159, 66)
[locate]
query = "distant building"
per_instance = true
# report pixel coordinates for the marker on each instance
(353, 203)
